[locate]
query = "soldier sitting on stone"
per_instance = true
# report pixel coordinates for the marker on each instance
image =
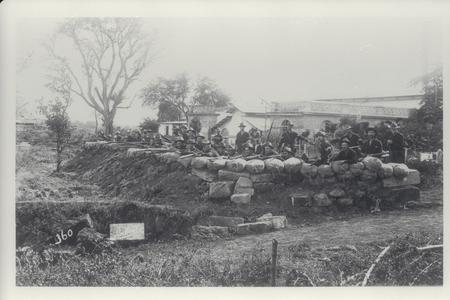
(287, 153)
(346, 153)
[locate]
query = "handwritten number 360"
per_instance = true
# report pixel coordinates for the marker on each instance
(63, 236)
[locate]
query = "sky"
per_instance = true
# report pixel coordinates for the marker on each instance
(275, 59)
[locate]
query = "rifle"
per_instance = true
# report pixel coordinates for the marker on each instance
(270, 131)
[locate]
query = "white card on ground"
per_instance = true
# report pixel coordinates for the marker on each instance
(126, 231)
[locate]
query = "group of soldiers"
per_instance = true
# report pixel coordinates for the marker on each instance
(344, 145)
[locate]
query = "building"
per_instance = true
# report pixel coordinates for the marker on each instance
(167, 128)
(310, 115)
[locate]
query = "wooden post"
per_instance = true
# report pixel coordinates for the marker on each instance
(274, 261)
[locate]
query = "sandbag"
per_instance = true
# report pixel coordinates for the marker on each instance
(369, 176)
(217, 164)
(274, 165)
(372, 163)
(386, 171)
(339, 167)
(236, 165)
(400, 171)
(325, 171)
(357, 169)
(170, 157)
(255, 166)
(308, 170)
(199, 162)
(293, 165)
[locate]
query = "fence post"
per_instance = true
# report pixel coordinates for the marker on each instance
(274, 261)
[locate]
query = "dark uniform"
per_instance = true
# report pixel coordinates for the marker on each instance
(324, 148)
(288, 139)
(397, 148)
(348, 155)
(241, 139)
(372, 146)
(352, 137)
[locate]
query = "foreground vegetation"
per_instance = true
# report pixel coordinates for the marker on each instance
(190, 263)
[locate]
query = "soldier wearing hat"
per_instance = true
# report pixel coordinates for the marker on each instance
(207, 150)
(287, 153)
(267, 150)
(372, 146)
(179, 143)
(323, 147)
(242, 137)
(117, 136)
(289, 137)
(184, 133)
(396, 145)
(346, 153)
(199, 142)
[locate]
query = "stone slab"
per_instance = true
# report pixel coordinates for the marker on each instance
(204, 174)
(126, 231)
(278, 222)
(244, 190)
(301, 200)
(225, 175)
(263, 177)
(256, 227)
(224, 221)
(413, 178)
(220, 189)
(241, 198)
(244, 182)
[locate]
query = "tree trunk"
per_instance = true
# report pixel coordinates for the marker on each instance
(58, 156)
(108, 123)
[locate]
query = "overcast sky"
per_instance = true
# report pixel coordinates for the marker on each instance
(277, 59)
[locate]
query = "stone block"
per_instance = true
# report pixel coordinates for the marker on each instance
(204, 174)
(244, 190)
(413, 178)
(241, 198)
(263, 187)
(346, 201)
(321, 199)
(225, 175)
(185, 160)
(224, 221)
(257, 227)
(300, 200)
(337, 193)
(126, 231)
(278, 222)
(220, 189)
(244, 182)
(404, 194)
(263, 177)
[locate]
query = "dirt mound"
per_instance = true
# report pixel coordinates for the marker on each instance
(137, 178)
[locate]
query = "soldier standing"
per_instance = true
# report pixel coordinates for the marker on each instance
(241, 138)
(396, 145)
(289, 137)
(372, 146)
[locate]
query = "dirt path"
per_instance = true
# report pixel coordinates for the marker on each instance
(356, 230)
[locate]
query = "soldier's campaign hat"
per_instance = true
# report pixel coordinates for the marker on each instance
(268, 144)
(183, 127)
(320, 133)
(286, 123)
(242, 124)
(287, 149)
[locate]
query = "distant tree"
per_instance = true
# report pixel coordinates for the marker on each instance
(149, 124)
(424, 127)
(196, 125)
(112, 53)
(58, 122)
(168, 112)
(207, 92)
(172, 92)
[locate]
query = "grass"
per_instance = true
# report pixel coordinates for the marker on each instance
(187, 263)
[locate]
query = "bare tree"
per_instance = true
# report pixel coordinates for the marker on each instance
(112, 53)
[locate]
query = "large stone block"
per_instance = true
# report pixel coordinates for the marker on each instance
(301, 199)
(225, 175)
(241, 198)
(244, 190)
(257, 227)
(321, 199)
(204, 174)
(220, 189)
(404, 194)
(224, 221)
(413, 178)
(244, 182)
(278, 222)
(264, 177)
